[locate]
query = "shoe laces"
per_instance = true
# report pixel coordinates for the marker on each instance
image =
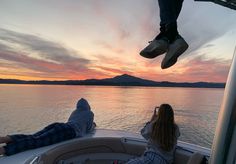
(164, 38)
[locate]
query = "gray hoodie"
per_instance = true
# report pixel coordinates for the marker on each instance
(81, 119)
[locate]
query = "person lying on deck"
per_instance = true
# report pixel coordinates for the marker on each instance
(79, 123)
(162, 133)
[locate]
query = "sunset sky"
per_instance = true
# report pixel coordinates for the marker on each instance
(82, 39)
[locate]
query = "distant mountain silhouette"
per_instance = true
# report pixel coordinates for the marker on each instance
(122, 80)
(130, 80)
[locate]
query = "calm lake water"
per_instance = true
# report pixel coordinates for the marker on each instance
(28, 108)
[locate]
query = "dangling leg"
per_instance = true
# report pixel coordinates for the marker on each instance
(177, 44)
(169, 12)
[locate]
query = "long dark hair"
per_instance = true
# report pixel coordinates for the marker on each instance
(164, 127)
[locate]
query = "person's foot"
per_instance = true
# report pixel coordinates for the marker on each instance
(5, 139)
(155, 48)
(2, 140)
(2, 151)
(177, 48)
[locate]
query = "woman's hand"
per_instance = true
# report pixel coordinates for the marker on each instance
(154, 116)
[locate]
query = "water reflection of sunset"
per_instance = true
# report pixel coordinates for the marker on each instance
(122, 108)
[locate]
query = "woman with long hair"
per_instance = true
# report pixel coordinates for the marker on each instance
(162, 133)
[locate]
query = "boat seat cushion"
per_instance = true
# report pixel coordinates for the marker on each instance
(196, 158)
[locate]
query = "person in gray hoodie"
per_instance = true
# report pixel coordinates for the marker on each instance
(79, 123)
(81, 119)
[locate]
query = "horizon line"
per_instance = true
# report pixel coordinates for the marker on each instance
(110, 78)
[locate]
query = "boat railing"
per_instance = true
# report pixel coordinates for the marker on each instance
(223, 148)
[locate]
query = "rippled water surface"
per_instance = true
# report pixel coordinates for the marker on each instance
(27, 108)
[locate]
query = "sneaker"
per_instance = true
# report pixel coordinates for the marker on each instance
(177, 48)
(155, 48)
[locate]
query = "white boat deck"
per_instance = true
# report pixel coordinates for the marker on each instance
(22, 157)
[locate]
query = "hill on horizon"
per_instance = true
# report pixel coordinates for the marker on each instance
(121, 80)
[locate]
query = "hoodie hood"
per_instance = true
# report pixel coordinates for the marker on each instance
(83, 105)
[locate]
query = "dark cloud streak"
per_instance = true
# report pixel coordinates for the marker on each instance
(53, 59)
(47, 49)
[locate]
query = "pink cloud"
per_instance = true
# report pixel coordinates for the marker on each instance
(212, 70)
(193, 70)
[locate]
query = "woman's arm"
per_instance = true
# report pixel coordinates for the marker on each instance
(154, 116)
(146, 130)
